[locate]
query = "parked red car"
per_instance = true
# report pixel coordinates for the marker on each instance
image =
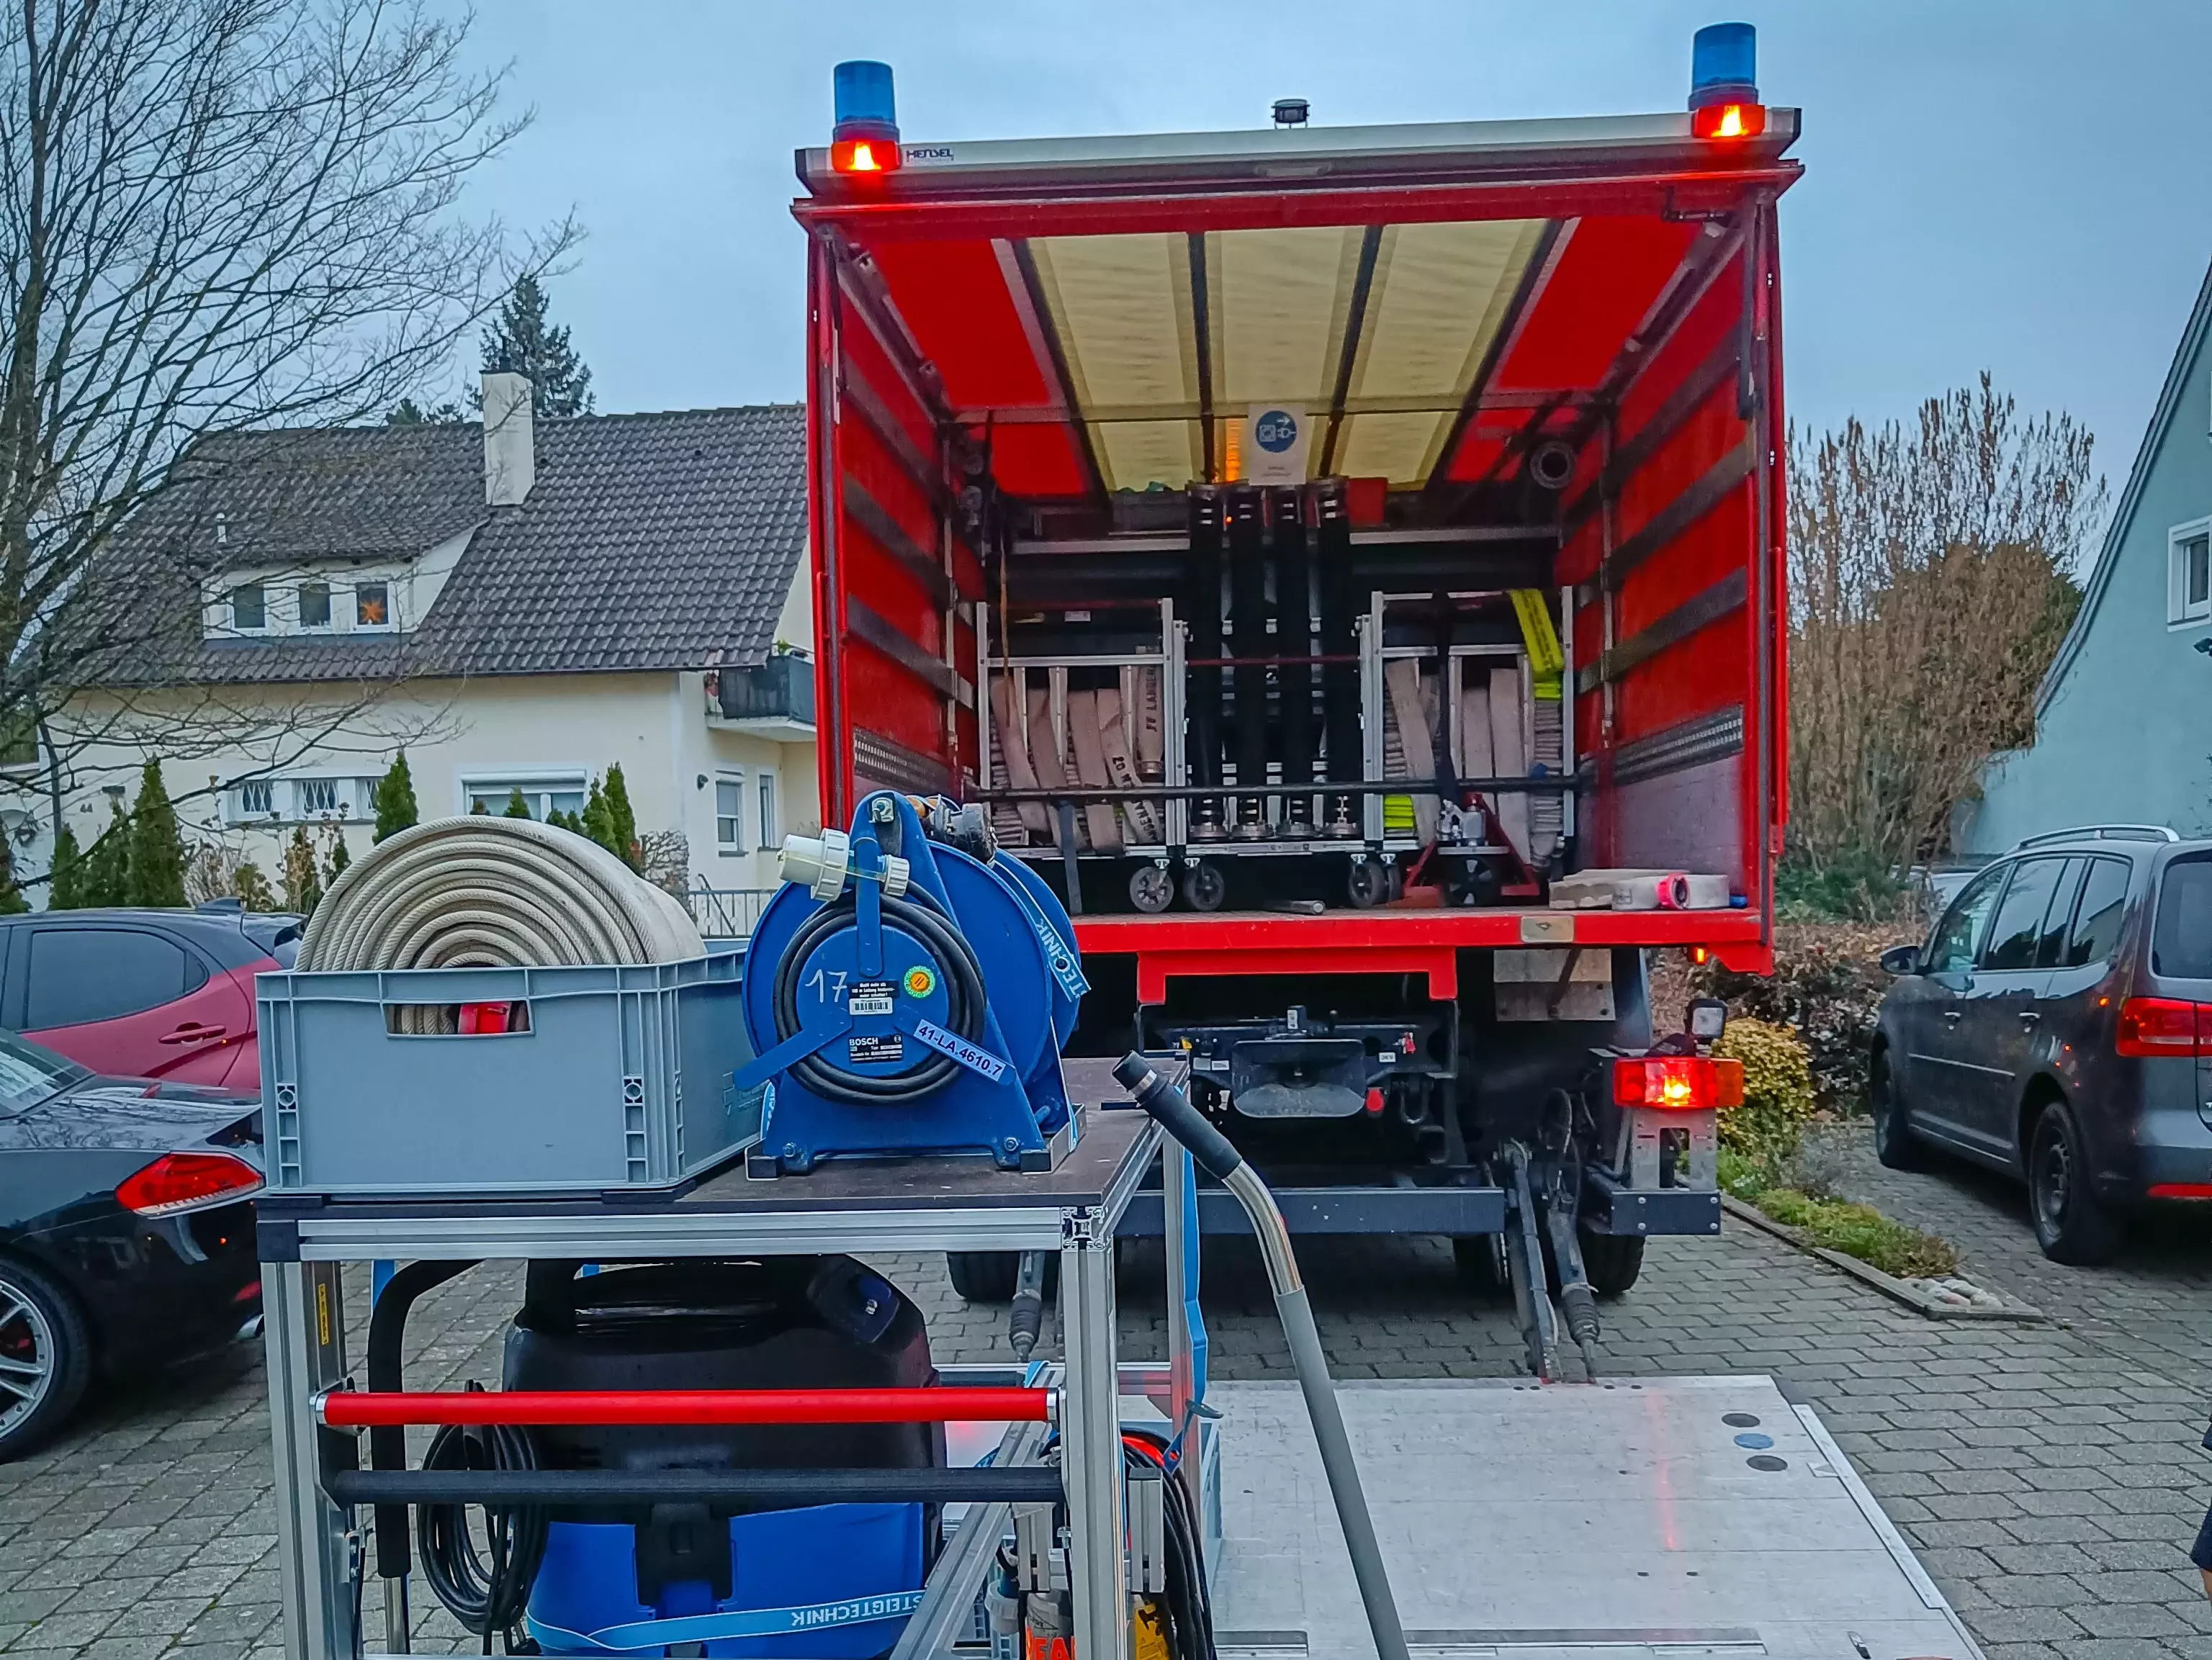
(144, 993)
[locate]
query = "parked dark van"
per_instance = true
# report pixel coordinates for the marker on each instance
(2057, 1026)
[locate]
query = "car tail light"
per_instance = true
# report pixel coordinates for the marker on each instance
(178, 1182)
(2180, 1190)
(2155, 1026)
(1678, 1083)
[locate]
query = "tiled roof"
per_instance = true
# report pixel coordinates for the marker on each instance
(647, 542)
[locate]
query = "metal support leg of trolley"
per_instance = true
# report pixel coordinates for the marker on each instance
(859, 1207)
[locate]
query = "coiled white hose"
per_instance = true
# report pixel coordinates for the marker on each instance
(494, 892)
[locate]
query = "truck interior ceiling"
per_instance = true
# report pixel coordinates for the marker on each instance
(1402, 537)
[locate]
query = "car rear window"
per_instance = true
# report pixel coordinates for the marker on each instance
(2181, 937)
(79, 975)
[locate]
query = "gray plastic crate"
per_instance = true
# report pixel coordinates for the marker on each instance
(623, 1080)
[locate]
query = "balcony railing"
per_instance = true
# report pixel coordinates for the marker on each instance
(780, 692)
(728, 913)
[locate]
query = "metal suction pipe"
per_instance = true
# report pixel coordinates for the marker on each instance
(1175, 1114)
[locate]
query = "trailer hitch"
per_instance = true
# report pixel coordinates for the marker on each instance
(1539, 1211)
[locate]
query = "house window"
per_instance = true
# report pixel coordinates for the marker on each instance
(770, 836)
(729, 814)
(249, 608)
(541, 793)
(372, 605)
(314, 605)
(2189, 573)
(256, 798)
(315, 796)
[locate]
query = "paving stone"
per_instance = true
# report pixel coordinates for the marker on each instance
(2038, 1471)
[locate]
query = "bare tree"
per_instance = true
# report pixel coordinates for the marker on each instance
(218, 218)
(1931, 581)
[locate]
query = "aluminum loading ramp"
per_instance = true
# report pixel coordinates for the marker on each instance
(1637, 1517)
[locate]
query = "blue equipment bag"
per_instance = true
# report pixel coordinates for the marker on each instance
(833, 1582)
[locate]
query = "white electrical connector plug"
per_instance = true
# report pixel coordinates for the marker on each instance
(821, 863)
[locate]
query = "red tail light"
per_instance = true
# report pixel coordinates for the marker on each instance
(1678, 1083)
(1728, 121)
(178, 1182)
(2153, 1027)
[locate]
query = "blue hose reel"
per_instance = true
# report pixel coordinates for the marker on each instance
(913, 998)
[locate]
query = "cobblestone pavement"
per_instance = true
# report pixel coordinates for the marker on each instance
(2048, 1476)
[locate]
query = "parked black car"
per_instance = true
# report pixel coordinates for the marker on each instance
(2057, 1026)
(126, 1229)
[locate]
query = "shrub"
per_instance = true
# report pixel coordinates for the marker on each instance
(394, 800)
(622, 822)
(1777, 1092)
(1827, 986)
(157, 849)
(65, 877)
(1854, 886)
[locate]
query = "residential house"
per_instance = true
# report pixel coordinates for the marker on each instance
(520, 603)
(2123, 719)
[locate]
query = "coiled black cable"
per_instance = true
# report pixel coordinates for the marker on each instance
(919, 915)
(484, 1597)
(1189, 1610)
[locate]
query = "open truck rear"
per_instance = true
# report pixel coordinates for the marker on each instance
(1324, 547)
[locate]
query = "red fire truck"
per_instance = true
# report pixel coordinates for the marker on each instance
(1348, 562)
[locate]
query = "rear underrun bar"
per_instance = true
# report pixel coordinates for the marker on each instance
(359, 1408)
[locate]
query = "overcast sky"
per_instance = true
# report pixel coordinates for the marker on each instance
(2014, 185)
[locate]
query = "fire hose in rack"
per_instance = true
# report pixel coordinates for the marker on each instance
(492, 892)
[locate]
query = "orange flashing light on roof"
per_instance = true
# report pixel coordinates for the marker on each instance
(864, 155)
(1728, 121)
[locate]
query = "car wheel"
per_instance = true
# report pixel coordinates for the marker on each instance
(1614, 1262)
(45, 1356)
(2072, 1224)
(1894, 1143)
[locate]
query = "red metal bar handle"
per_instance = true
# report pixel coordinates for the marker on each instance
(346, 1409)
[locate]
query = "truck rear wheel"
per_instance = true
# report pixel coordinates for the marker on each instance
(984, 1276)
(1475, 1257)
(1612, 1261)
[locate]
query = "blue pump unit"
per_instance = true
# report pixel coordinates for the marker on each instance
(916, 1002)
(805, 1585)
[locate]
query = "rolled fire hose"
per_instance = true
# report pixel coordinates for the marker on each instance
(1211, 1148)
(492, 892)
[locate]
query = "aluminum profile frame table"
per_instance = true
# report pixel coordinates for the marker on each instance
(855, 1205)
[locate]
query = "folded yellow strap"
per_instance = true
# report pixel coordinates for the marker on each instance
(1546, 662)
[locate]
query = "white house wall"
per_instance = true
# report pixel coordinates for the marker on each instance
(654, 724)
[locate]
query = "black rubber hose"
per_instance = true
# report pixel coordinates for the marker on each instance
(918, 916)
(484, 1597)
(1175, 1115)
(387, 1445)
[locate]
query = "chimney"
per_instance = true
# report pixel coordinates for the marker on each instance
(510, 447)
